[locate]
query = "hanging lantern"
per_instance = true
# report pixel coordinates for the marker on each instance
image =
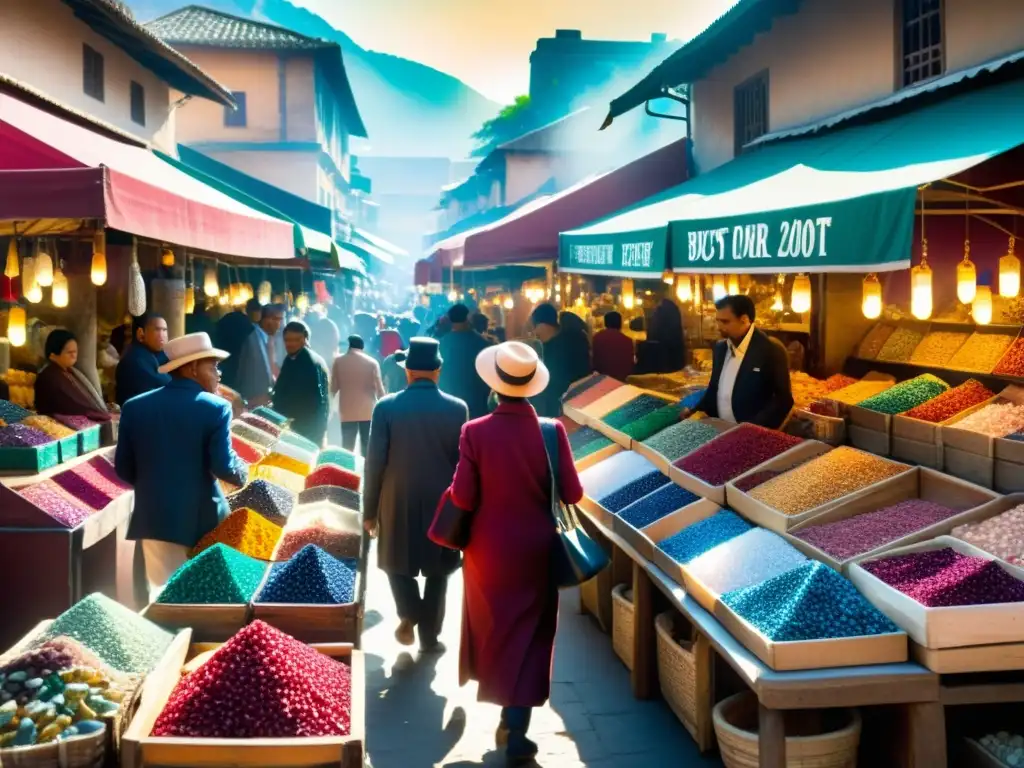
(210, 285)
(509, 303)
(453, 296)
(44, 267)
(1009, 273)
(921, 287)
(981, 308)
(667, 277)
(190, 300)
(235, 294)
(628, 296)
(224, 299)
(718, 288)
(871, 298)
(167, 257)
(264, 292)
(302, 302)
(734, 285)
(966, 277)
(248, 291)
(98, 272)
(11, 268)
(59, 292)
(800, 295)
(17, 331)
(136, 288)
(778, 305)
(29, 287)
(684, 292)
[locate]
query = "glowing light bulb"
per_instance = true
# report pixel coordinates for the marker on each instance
(1009, 273)
(453, 296)
(981, 308)
(17, 332)
(190, 300)
(966, 277)
(509, 303)
(871, 301)
(210, 285)
(264, 292)
(921, 291)
(684, 291)
(98, 270)
(734, 285)
(718, 288)
(59, 292)
(44, 268)
(800, 296)
(11, 267)
(167, 257)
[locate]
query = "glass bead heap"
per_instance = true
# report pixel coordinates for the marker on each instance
(258, 422)
(858, 392)
(343, 497)
(245, 530)
(1002, 535)
(737, 451)
(900, 345)
(1012, 363)
(594, 393)
(995, 419)
(681, 439)
(906, 395)
(340, 458)
(271, 415)
(21, 436)
(655, 506)
(81, 489)
(694, 540)
(744, 560)
(875, 339)
(653, 422)
(951, 402)
(947, 578)
(49, 497)
(981, 353)
(217, 575)
(585, 385)
(634, 490)
(614, 472)
(936, 349)
(11, 412)
(329, 474)
(271, 501)
(48, 426)
(311, 577)
(635, 409)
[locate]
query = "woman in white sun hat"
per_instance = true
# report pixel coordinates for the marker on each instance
(511, 602)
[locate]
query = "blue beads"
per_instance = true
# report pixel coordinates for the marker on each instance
(634, 490)
(272, 501)
(811, 602)
(696, 539)
(312, 577)
(657, 505)
(334, 494)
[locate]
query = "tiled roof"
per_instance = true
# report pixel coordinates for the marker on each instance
(195, 25)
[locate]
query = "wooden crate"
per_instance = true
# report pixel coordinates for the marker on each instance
(870, 440)
(316, 623)
(209, 623)
(970, 466)
(140, 749)
(916, 452)
(973, 502)
(1004, 657)
(663, 462)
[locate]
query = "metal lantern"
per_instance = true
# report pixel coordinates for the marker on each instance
(98, 271)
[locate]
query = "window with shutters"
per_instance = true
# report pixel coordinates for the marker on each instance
(138, 107)
(92, 72)
(921, 40)
(750, 110)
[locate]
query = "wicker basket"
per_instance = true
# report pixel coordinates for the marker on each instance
(80, 752)
(685, 672)
(623, 626)
(736, 722)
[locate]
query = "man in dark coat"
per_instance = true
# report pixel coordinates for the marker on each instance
(138, 370)
(413, 452)
(230, 334)
(302, 391)
(459, 349)
(566, 355)
(750, 370)
(174, 444)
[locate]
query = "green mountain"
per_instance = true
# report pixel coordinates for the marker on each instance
(410, 109)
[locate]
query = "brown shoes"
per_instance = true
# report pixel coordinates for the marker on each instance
(406, 632)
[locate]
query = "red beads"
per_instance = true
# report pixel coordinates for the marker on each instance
(737, 451)
(951, 402)
(329, 474)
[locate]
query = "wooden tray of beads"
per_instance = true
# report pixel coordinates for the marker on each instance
(662, 462)
(315, 623)
(597, 457)
(210, 623)
(643, 540)
(140, 749)
(668, 527)
(617, 435)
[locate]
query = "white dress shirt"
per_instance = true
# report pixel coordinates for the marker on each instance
(730, 369)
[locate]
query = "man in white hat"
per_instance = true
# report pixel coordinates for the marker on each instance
(174, 444)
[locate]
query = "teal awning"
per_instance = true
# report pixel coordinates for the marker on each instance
(839, 202)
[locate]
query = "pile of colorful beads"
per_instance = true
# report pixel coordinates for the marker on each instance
(681, 439)
(995, 420)
(48, 426)
(245, 530)
(77, 423)
(810, 602)
(748, 482)
(587, 441)
(875, 339)
(945, 578)
(272, 501)
(609, 475)
(841, 471)
(217, 575)
(21, 436)
(324, 527)
(951, 402)
(981, 352)
(340, 458)
(100, 474)
(805, 388)
(838, 381)
(56, 705)
(654, 506)
(906, 395)
(119, 636)
(82, 490)
(593, 393)
(55, 654)
(611, 401)
(328, 474)
(258, 422)
(1012, 363)
(281, 460)
(694, 540)
(342, 497)
(635, 409)
(304, 444)
(846, 539)
(737, 451)
(1007, 748)
(745, 560)
(252, 435)
(261, 683)
(271, 415)
(10, 413)
(859, 392)
(49, 497)
(634, 490)
(585, 385)
(311, 577)
(938, 348)
(900, 345)
(653, 423)
(1002, 535)
(246, 451)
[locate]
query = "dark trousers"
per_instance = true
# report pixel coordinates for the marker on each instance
(427, 612)
(352, 429)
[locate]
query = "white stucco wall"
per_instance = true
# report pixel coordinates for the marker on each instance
(41, 45)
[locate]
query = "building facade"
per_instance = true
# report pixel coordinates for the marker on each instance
(296, 113)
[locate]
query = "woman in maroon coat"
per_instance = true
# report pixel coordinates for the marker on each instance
(510, 610)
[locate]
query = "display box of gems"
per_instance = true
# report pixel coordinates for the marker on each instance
(676, 441)
(658, 515)
(946, 593)
(616, 482)
(621, 424)
(203, 706)
(664, 534)
(911, 507)
(593, 411)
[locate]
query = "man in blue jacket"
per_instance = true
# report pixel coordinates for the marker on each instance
(174, 444)
(138, 371)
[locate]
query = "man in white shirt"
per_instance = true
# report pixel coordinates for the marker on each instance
(750, 373)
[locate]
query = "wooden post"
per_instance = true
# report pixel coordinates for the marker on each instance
(771, 738)
(927, 737)
(169, 302)
(644, 676)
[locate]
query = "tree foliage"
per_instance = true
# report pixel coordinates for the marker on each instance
(511, 122)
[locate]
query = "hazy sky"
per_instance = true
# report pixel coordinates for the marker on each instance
(487, 43)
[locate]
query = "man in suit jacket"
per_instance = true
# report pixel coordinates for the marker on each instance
(356, 380)
(173, 446)
(413, 452)
(138, 370)
(750, 373)
(258, 364)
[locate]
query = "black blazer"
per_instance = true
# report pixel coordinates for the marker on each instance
(762, 393)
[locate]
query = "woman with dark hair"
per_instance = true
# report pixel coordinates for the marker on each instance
(63, 389)
(302, 390)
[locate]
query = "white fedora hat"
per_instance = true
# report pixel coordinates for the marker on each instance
(513, 369)
(192, 346)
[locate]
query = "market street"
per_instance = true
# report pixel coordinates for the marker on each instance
(417, 716)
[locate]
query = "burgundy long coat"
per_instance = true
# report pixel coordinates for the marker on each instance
(510, 609)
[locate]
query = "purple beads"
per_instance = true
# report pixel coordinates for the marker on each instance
(945, 578)
(20, 436)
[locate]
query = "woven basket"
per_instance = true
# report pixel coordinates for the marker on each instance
(623, 625)
(682, 668)
(80, 752)
(735, 726)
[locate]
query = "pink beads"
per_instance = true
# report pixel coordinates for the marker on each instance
(945, 578)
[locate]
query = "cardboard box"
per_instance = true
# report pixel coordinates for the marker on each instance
(597, 457)
(605, 405)
(916, 452)
(617, 435)
(974, 442)
(643, 540)
(662, 462)
(953, 627)
(668, 527)
(972, 502)
(970, 466)
(870, 440)
(1008, 476)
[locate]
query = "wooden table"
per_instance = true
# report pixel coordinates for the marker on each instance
(907, 684)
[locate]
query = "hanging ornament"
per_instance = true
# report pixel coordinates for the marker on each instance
(44, 266)
(921, 286)
(29, 286)
(167, 257)
(800, 295)
(667, 277)
(1009, 273)
(628, 294)
(734, 285)
(210, 285)
(136, 286)
(190, 300)
(966, 277)
(17, 331)
(718, 288)
(264, 292)
(59, 292)
(981, 308)
(11, 268)
(684, 291)
(98, 272)
(871, 297)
